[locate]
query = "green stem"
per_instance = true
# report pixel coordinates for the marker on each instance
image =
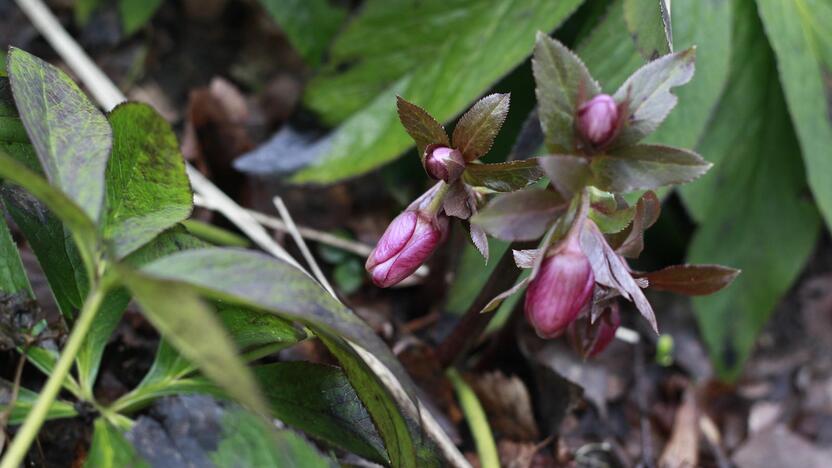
(34, 420)
(438, 198)
(477, 422)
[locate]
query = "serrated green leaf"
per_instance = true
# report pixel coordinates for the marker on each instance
(645, 167)
(503, 177)
(421, 126)
(562, 80)
(26, 400)
(478, 127)
(109, 449)
(799, 32)
(147, 188)
(70, 135)
(753, 208)
(136, 13)
(648, 97)
(417, 50)
(310, 25)
(648, 22)
(189, 324)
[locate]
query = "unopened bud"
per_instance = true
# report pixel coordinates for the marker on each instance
(598, 120)
(561, 289)
(408, 241)
(443, 163)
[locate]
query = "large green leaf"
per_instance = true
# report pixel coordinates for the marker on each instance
(752, 207)
(800, 31)
(26, 400)
(189, 324)
(310, 25)
(71, 136)
(109, 449)
(256, 280)
(249, 442)
(649, 23)
(437, 54)
(147, 187)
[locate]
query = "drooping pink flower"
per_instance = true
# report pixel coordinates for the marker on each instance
(598, 120)
(406, 244)
(603, 330)
(561, 289)
(443, 163)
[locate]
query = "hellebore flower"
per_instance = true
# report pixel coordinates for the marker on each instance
(561, 289)
(598, 120)
(590, 339)
(443, 163)
(408, 241)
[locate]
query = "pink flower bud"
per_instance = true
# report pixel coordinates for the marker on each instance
(561, 289)
(443, 163)
(408, 241)
(598, 120)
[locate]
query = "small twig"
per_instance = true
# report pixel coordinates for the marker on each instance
(357, 248)
(304, 249)
(18, 374)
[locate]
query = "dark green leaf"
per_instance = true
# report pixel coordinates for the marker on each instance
(645, 167)
(562, 81)
(147, 188)
(349, 275)
(523, 215)
(26, 400)
(476, 130)
(471, 275)
(503, 177)
(649, 23)
(249, 442)
(189, 324)
(754, 212)
(136, 13)
(13, 280)
(310, 25)
(647, 94)
(109, 449)
(417, 50)
(692, 280)
(799, 32)
(423, 128)
(71, 137)
(83, 10)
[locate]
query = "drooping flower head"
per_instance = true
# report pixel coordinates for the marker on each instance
(562, 288)
(406, 244)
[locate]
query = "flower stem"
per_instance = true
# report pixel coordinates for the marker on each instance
(34, 420)
(438, 198)
(477, 422)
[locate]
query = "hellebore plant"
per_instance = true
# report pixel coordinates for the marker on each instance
(461, 183)
(587, 229)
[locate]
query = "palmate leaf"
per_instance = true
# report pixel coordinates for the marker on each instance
(753, 209)
(109, 449)
(262, 282)
(421, 126)
(503, 177)
(26, 399)
(799, 33)
(692, 280)
(523, 215)
(422, 52)
(70, 135)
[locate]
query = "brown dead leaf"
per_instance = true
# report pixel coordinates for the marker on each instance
(507, 404)
(524, 454)
(682, 449)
